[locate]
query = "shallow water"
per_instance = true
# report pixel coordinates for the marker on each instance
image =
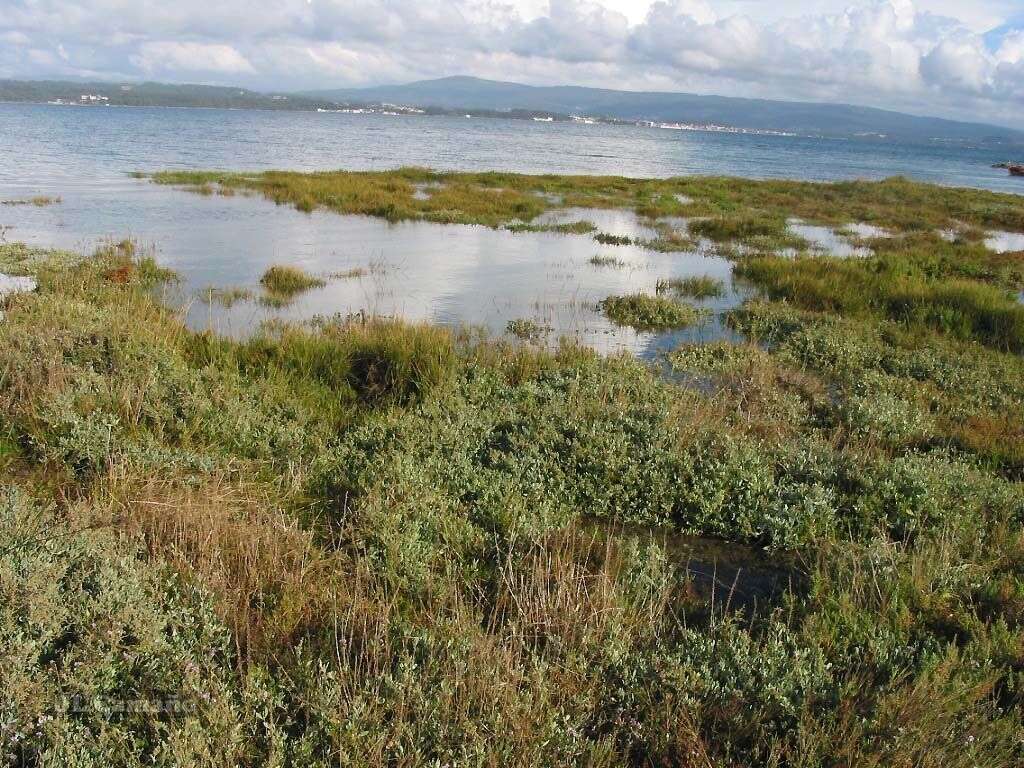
(866, 231)
(615, 221)
(10, 284)
(454, 275)
(1005, 242)
(728, 575)
(827, 240)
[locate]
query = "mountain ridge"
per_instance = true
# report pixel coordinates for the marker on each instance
(816, 118)
(492, 98)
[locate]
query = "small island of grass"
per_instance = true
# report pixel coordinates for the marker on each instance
(288, 281)
(649, 313)
(697, 287)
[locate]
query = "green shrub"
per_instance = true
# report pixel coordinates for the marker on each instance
(108, 660)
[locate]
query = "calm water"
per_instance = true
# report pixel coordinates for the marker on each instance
(447, 274)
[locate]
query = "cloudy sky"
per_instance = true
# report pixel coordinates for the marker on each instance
(956, 58)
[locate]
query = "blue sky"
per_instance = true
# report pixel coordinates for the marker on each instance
(943, 57)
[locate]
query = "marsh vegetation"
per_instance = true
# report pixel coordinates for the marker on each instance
(365, 542)
(649, 313)
(697, 287)
(39, 201)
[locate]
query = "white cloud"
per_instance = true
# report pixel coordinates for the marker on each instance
(15, 39)
(890, 53)
(171, 56)
(1011, 50)
(573, 31)
(960, 63)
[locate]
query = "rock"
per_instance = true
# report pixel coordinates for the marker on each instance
(1016, 170)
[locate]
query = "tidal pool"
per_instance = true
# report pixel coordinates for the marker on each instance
(455, 275)
(828, 241)
(1005, 242)
(728, 575)
(619, 222)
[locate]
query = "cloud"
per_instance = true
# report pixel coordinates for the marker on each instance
(888, 53)
(169, 56)
(573, 31)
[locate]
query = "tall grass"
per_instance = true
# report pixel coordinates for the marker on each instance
(897, 290)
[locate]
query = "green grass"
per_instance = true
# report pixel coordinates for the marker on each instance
(698, 287)
(603, 260)
(605, 239)
(722, 209)
(368, 542)
(895, 289)
(649, 313)
(526, 329)
(567, 228)
(287, 281)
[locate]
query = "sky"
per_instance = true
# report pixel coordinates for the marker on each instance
(953, 58)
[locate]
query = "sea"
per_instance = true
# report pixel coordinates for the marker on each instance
(467, 276)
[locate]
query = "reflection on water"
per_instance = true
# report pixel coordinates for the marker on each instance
(827, 240)
(10, 284)
(725, 574)
(423, 190)
(865, 231)
(449, 274)
(1005, 242)
(610, 221)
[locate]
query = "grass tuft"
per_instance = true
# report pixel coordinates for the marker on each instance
(602, 260)
(648, 313)
(526, 329)
(287, 281)
(700, 287)
(606, 239)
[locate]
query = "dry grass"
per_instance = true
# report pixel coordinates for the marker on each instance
(270, 578)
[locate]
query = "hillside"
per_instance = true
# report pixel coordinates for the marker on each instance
(150, 95)
(759, 114)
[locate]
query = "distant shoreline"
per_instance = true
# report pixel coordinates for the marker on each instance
(476, 98)
(555, 119)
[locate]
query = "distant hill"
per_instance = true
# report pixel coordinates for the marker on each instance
(840, 120)
(489, 98)
(151, 95)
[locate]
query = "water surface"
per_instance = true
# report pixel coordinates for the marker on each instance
(455, 275)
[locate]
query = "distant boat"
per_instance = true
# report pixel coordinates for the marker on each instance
(1015, 169)
(544, 119)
